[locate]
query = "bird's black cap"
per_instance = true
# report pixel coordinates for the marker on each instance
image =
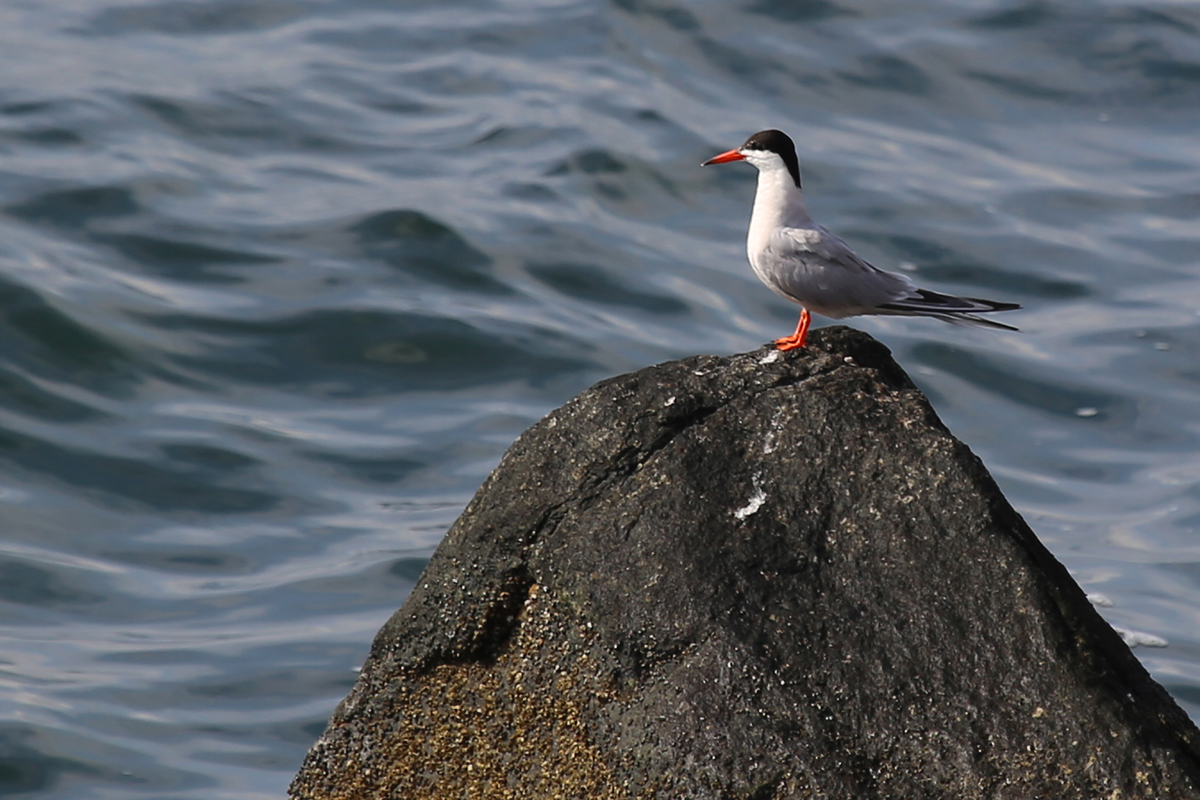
(779, 143)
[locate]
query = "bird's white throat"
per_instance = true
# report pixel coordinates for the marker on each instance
(778, 203)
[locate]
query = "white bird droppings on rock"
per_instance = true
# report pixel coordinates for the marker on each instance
(772, 436)
(756, 501)
(769, 358)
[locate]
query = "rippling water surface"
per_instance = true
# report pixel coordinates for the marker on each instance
(280, 280)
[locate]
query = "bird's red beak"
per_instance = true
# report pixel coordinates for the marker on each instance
(725, 158)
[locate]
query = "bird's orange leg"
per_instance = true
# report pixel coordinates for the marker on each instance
(796, 340)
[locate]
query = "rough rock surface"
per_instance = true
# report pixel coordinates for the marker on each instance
(764, 576)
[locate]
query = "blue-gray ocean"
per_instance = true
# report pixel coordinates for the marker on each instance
(280, 280)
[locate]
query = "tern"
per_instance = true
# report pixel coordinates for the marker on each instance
(803, 262)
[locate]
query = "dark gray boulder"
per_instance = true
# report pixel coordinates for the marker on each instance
(764, 576)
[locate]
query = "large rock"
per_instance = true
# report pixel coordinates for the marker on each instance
(765, 576)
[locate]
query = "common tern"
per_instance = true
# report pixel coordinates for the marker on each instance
(803, 262)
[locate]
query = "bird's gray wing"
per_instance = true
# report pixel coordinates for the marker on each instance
(818, 270)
